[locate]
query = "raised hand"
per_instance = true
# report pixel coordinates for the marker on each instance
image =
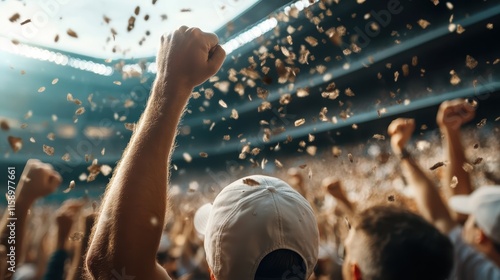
(37, 180)
(400, 131)
(65, 217)
(454, 113)
(188, 57)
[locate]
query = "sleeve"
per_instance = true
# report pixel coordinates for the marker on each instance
(469, 263)
(55, 266)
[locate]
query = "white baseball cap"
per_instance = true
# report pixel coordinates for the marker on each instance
(251, 218)
(484, 205)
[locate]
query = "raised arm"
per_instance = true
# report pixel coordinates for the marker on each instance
(37, 180)
(129, 227)
(450, 117)
(427, 197)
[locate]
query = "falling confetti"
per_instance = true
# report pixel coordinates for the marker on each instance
(15, 143)
(48, 150)
(70, 187)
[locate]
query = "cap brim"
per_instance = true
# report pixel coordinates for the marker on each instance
(461, 204)
(201, 218)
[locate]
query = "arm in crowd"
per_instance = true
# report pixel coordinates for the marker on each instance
(77, 270)
(427, 197)
(129, 227)
(450, 117)
(37, 180)
(65, 218)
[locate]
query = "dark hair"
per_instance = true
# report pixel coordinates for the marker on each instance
(402, 245)
(281, 264)
(496, 246)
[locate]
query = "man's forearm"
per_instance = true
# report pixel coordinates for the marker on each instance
(428, 200)
(455, 155)
(135, 203)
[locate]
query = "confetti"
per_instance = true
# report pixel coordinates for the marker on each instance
(222, 103)
(437, 165)
(250, 182)
(312, 41)
(379, 136)
(130, 126)
(467, 167)
(118, 83)
(70, 187)
(41, 89)
(72, 33)
(300, 122)
(106, 169)
(51, 136)
(48, 150)
(311, 150)
(481, 123)
(66, 157)
(470, 62)
(351, 159)
(278, 163)
(203, 155)
(4, 125)
(454, 182)
(349, 92)
(187, 157)
(32, 140)
(26, 21)
(460, 29)
(15, 143)
(423, 23)
(80, 111)
(14, 17)
(489, 26)
(234, 114)
(302, 92)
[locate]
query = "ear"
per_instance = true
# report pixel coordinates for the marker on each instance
(355, 271)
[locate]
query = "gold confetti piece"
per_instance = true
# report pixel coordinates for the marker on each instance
(137, 10)
(311, 150)
(51, 136)
(222, 103)
(54, 81)
(478, 161)
(300, 122)
(379, 136)
(15, 143)
(41, 89)
(262, 93)
(32, 140)
(130, 126)
(203, 155)
(349, 92)
(187, 157)
(489, 26)
(312, 41)
(26, 21)
(106, 170)
(302, 92)
(128, 103)
(460, 29)
(470, 62)
(66, 157)
(14, 17)
(186, 10)
(285, 51)
(423, 23)
(76, 236)
(117, 83)
(56, 39)
(72, 33)
(24, 125)
(250, 182)
(69, 97)
(497, 119)
(455, 80)
(437, 165)
(481, 123)
(449, 6)
(209, 93)
(350, 157)
(70, 187)
(28, 115)
(336, 151)
(103, 151)
(454, 182)
(48, 150)
(54, 118)
(4, 125)
(80, 111)
(278, 163)
(226, 137)
(234, 114)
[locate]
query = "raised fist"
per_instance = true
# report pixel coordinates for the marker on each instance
(38, 180)
(188, 57)
(400, 131)
(453, 114)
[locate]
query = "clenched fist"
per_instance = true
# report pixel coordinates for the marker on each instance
(188, 57)
(37, 180)
(400, 131)
(453, 114)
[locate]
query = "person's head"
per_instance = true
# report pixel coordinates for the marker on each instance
(259, 228)
(392, 243)
(482, 228)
